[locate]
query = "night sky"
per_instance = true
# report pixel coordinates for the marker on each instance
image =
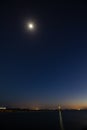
(47, 66)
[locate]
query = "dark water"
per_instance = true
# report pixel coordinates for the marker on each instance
(43, 120)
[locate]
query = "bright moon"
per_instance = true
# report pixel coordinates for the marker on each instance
(31, 26)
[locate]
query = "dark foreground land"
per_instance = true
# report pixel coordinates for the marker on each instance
(43, 120)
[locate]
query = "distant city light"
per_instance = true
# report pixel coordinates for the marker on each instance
(2, 108)
(37, 108)
(78, 109)
(59, 107)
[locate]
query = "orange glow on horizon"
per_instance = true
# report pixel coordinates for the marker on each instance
(66, 105)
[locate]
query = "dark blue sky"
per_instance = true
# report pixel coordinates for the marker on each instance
(48, 66)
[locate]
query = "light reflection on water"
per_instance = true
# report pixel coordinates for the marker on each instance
(69, 120)
(61, 121)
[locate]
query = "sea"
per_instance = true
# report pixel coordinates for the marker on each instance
(44, 120)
